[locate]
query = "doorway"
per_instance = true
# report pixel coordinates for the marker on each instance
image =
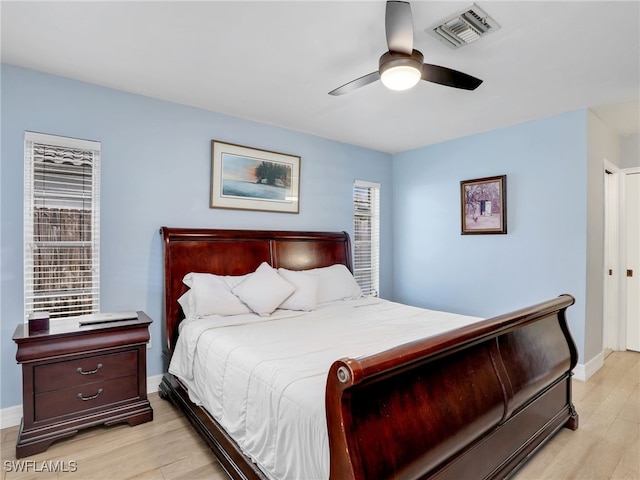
(621, 308)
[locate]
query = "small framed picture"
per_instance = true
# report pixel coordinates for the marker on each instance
(484, 205)
(252, 179)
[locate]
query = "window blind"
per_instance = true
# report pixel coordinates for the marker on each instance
(366, 220)
(61, 225)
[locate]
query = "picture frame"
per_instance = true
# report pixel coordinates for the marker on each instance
(248, 178)
(484, 205)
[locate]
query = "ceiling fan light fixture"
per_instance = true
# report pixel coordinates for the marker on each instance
(401, 67)
(402, 77)
(399, 71)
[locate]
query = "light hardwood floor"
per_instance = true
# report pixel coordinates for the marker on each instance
(605, 446)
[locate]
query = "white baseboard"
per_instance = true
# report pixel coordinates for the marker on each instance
(12, 416)
(584, 371)
(153, 383)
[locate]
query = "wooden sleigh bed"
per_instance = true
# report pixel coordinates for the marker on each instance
(475, 402)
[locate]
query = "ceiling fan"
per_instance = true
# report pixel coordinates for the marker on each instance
(402, 67)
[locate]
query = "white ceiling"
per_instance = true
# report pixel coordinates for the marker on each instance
(275, 62)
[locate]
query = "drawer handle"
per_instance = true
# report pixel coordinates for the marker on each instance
(84, 399)
(90, 372)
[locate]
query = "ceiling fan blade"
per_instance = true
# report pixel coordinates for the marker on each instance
(449, 77)
(357, 83)
(399, 27)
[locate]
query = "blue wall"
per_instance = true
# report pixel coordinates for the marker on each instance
(543, 254)
(156, 167)
(155, 171)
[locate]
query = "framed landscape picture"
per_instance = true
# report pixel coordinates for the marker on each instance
(251, 179)
(484, 205)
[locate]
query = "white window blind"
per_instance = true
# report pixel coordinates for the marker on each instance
(61, 225)
(366, 226)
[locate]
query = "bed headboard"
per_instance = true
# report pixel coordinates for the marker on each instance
(236, 252)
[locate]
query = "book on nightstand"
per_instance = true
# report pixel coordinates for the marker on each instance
(38, 322)
(107, 317)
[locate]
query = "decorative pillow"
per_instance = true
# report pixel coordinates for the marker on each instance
(336, 283)
(305, 297)
(264, 290)
(211, 294)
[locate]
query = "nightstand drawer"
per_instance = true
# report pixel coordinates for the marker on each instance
(81, 371)
(89, 396)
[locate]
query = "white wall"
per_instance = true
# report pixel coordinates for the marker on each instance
(630, 151)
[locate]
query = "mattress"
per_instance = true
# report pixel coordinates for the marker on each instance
(263, 378)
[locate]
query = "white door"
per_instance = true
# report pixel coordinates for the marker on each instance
(632, 227)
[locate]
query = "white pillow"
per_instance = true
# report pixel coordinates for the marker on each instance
(305, 297)
(211, 294)
(264, 290)
(336, 283)
(186, 302)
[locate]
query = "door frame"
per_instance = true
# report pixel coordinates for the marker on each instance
(613, 332)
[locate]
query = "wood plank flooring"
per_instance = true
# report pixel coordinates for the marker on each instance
(605, 446)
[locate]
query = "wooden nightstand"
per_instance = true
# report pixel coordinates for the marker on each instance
(75, 377)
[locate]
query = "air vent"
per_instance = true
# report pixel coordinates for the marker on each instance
(464, 27)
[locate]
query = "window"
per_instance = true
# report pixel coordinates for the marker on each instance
(366, 227)
(61, 225)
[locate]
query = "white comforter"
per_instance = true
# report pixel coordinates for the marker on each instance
(263, 379)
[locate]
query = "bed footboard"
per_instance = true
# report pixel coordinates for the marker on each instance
(472, 403)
